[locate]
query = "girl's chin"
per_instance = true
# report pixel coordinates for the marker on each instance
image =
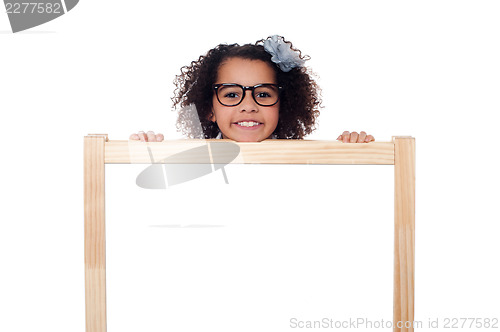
(245, 138)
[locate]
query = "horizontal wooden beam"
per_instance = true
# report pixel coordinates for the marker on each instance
(275, 151)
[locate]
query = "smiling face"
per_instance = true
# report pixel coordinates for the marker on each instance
(248, 121)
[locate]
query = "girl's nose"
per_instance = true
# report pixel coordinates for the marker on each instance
(248, 104)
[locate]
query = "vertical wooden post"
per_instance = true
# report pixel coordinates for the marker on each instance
(95, 240)
(404, 233)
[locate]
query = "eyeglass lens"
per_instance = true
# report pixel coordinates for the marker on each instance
(264, 95)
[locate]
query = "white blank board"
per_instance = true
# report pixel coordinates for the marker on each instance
(275, 246)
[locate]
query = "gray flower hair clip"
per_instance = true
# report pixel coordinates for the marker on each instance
(282, 53)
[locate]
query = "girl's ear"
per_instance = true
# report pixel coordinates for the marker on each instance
(211, 117)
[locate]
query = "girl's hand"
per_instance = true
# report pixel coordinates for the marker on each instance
(147, 137)
(353, 137)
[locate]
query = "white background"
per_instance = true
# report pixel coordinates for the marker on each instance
(427, 69)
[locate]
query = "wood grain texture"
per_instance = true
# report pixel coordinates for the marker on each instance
(94, 230)
(273, 151)
(404, 233)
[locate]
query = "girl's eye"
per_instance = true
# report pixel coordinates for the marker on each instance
(263, 95)
(266, 92)
(231, 95)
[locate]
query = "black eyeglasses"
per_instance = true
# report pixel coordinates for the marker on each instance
(232, 94)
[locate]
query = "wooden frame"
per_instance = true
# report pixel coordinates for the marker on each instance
(98, 151)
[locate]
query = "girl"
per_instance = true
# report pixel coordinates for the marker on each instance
(248, 93)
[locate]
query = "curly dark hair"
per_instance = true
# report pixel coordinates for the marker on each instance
(299, 102)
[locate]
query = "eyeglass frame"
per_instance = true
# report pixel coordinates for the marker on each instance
(245, 88)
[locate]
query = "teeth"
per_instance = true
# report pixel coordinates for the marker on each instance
(248, 124)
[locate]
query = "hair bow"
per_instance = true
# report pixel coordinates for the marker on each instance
(282, 53)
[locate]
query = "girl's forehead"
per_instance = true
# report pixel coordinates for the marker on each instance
(245, 72)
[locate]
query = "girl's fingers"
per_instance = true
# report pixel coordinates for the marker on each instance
(362, 137)
(142, 136)
(354, 137)
(147, 137)
(151, 136)
(345, 137)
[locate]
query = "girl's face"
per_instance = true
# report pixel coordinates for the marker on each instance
(248, 121)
